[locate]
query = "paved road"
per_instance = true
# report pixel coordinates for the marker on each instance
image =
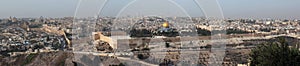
(133, 60)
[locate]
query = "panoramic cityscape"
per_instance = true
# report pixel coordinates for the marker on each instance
(140, 33)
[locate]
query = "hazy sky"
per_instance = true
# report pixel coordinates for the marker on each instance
(230, 8)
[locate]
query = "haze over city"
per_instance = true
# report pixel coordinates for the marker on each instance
(231, 8)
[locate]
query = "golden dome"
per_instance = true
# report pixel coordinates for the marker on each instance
(165, 24)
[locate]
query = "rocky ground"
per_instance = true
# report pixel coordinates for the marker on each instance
(55, 59)
(39, 59)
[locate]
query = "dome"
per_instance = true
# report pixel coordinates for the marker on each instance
(165, 25)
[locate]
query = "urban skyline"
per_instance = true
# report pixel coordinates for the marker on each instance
(149, 33)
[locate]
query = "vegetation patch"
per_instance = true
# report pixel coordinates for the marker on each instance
(29, 59)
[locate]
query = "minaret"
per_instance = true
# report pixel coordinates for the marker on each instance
(41, 19)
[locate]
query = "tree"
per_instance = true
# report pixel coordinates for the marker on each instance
(275, 54)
